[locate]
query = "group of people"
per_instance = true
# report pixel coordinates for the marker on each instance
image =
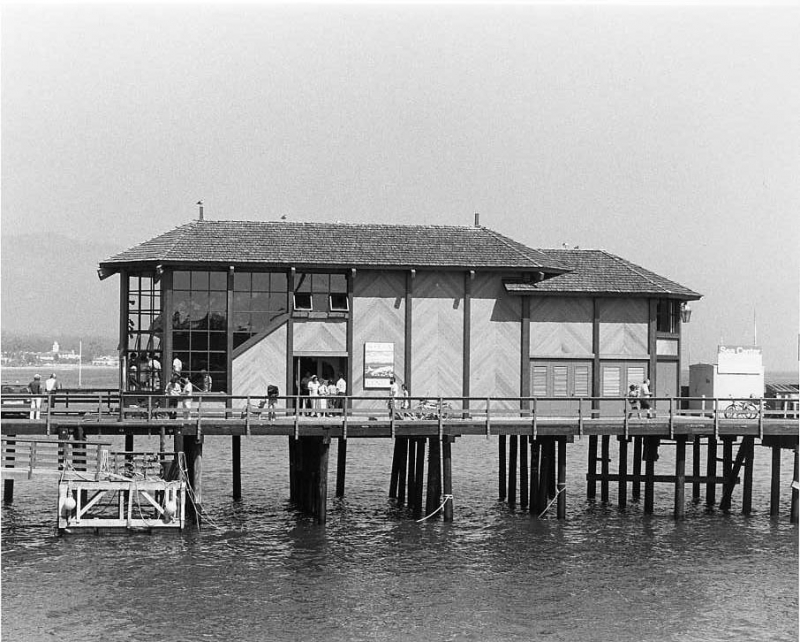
(144, 371)
(322, 395)
(399, 403)
(39, 390)
(639, 400)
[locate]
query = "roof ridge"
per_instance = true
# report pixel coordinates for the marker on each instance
(636, 268)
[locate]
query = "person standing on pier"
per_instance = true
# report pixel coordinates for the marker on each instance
(644, 398)
(205, 386)
(633, 400)
(186, 394)
(35, 388)
(341, 391)
(313, 394)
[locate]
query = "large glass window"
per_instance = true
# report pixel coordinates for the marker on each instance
(199, 326)
(320, 292)
(668, 313)
(258, 299)
(142, 352)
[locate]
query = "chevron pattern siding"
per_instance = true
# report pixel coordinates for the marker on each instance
(379, 309)
(438, 334)
(495, 335)
(262, 365)
(623, 327)
(561, 326)
(320, 336)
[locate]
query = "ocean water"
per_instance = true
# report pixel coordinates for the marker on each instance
(258, 570)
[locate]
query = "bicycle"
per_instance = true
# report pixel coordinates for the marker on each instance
(741, 409)
(432, 409)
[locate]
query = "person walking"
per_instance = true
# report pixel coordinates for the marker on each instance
(173, 392)
(186, 396)
(35, 388)
(644, 398)
(633, 400)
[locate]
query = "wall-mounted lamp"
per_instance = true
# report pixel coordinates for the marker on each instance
(686, 312)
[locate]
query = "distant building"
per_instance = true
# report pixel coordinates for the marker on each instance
(449, 310)
(107, 361)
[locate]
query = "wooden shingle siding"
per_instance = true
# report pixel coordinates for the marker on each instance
(561, 326)
(495, 339)
(263, 364)
(623, 327)
(438, 334)
(378, 315)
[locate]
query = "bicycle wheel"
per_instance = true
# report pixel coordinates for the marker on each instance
(730, 411)
(751, 411)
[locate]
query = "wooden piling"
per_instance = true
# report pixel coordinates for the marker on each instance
(236, 466)
(680, 476)
(775, 483)
(434, 490)
(711, 471)
(395, 474)
(293, 490)
(8, 484)
(605, 458)
(551, 477)
(523, 472)
(696, 456)
(341, 466)
(412, 472)
(747, 488)
(402, 471)
(534, 474)
(561, 483)
(795, 486)
(637, 469)
(622, 488)
(419, 481)
(650, 454)
(591, 468)
(323, 451)
(727, 468)
(447, 477)
(501, 467)
(545, 465)
(512, 470)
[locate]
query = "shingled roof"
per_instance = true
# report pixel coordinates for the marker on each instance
(600, 272)
(285, 243)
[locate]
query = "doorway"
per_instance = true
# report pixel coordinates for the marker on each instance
(325, 367)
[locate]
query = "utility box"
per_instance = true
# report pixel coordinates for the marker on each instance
(738, 374)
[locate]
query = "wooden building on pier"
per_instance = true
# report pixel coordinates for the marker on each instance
(451, 311)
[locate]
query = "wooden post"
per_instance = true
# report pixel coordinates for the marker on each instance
(433, 497)
(402, 458)
(727, 466)
(591, 482)
(544, 474)
(636, 485)
(747, 489)
(512, 470)
(680, 476)
(341, 466)
(711, 471)
(236, 466)
(551, 477)
(8, 462)
(535, 472)
(395, 474)
(501, 468)
(696, 468)
(795, 485)
(197, 473)
(731, 472)
(622, 488)
(447, 477)
(322, 480)
(561, 484)
(523, 471)
(292, 470)
(412, 472)
(650, 454)
(775, 485)
(419, 481)
(604, 463)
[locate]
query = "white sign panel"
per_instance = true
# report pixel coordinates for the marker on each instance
(739, 360)
(378, 364)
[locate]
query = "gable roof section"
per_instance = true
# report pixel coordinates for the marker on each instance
(283, 243)
(600, 272)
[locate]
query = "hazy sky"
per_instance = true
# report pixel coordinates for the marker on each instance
(669, 135)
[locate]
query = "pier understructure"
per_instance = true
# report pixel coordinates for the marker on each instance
(532, 449)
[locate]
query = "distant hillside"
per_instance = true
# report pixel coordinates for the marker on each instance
(50, 286)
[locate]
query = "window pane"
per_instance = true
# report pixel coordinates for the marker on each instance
(261, 281)
(635, 374)
(200, 280)
(239, 338)
(180, 340)
(260, 301)
(217, 362)
(180, 280)
(260, 320)
(218, 301)
(241, 281)
(241, 321)
(540, 381)
(278, 282)
(560, 380)
(581, 381)
(320, 283)
(198, 322)
(218, 321)
(611, 381)
(277, 303)
(217, 341)
(303, 283)
(218, 281)
(338, 283)
(199, 341)
(199, 303)
(241, 301)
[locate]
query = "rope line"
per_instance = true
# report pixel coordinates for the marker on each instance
(447, 498)
(555, 497)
